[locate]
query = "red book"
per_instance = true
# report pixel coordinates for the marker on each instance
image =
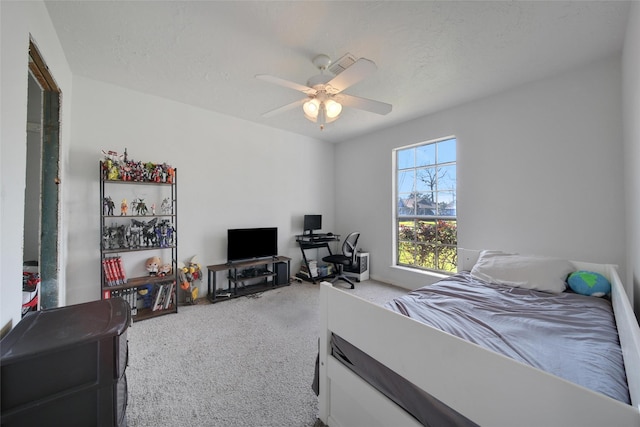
(112, 270)
(123, 276)
(107, 272)
(116, 270)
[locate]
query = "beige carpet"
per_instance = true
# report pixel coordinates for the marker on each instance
(243, 362)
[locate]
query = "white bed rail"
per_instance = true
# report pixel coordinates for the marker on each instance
(627, 324)
(488, 388)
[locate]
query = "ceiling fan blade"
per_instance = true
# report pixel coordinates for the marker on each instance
(363, 103)
(360, 70)
(284, 108)
(286, 83)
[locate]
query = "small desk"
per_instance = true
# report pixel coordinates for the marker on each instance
(280, 273)
(315, 241)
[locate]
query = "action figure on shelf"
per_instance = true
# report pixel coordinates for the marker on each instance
(135, 241)
(149, 233)
(140, 206)
(105, 238)
(108, 206)
(171, 175)
(164, 234)
(166, 207)
(124, 207)
(111, 165)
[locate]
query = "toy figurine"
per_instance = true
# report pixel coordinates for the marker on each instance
(166, 207)
(140, 206)
(124, 207)
(112, 156)
(112, 174)
(153, 209)
(108, 206)
(187, 274)
(135, 241)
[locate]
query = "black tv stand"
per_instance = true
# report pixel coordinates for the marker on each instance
(249, 277)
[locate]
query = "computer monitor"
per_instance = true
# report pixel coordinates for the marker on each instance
(312, 222)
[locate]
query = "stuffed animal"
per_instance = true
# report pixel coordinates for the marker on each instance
(153, 265)
(164, 270)
(589, 283)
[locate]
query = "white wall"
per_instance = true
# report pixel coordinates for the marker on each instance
(231, 174)
(539, 172)
(18, 21)
(631, 98)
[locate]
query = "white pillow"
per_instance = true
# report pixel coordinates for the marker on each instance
(523, 271)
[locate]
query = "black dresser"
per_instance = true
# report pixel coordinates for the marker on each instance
(66, 366)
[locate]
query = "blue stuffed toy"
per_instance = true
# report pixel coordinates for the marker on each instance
(589, 283)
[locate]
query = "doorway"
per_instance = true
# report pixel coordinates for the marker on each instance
(41, 213)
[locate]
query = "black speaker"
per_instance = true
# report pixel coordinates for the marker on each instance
(282, 273)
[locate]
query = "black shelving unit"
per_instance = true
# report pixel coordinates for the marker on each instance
(148, 295)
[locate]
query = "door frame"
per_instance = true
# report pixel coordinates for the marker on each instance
(50, 180)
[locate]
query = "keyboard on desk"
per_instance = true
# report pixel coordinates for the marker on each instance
(322, 239)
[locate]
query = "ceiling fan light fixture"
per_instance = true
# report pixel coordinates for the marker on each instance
(311, 108)
(333, 109)
(322, 112)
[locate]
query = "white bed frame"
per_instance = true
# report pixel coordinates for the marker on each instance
(486, 387)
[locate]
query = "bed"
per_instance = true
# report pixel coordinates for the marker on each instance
(468, 383)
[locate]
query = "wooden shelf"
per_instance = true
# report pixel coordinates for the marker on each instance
(241, 291)
(143, 248)
(119, 181)
(134, 282)
(147, 313)
(237, 288)
(138, 216)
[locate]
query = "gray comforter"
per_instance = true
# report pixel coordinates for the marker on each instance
(569, 335)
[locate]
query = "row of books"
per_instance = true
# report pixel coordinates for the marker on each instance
(130, 295)
(310, 272)
(162, 299)
(315, 270)
(114, 274)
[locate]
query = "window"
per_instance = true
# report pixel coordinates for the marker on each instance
(425, 196)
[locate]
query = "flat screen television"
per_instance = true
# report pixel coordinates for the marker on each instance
(251, 243)
(312, 222)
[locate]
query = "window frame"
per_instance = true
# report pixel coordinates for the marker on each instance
(435, 218)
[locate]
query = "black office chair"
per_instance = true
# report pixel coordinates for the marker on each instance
(346, 259)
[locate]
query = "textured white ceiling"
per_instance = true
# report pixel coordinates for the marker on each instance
(430, 55)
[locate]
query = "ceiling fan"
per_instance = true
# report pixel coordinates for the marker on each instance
(324, 94)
